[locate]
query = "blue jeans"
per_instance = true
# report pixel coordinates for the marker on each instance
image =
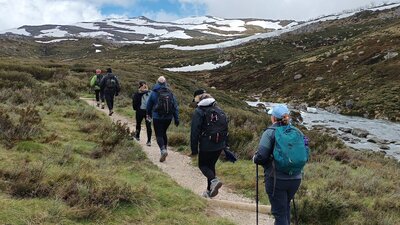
(280, 200)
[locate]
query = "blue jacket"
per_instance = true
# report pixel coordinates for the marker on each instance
(263, 155)
(153, 99)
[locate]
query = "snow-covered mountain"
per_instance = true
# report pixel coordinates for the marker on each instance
(144, 30)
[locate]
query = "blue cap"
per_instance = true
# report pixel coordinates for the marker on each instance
(279, 111)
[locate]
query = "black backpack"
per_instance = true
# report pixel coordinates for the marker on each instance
(98, 79)
(165, 103)
(215, 125)
(111, 83)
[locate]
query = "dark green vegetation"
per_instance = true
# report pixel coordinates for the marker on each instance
(50, 142)
(62, 162)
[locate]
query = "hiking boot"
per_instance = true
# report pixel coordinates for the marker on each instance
(164, 155)
(137, 138)
(110, 114)
(98, 104)
(206, 194)
(215, 185)
(148, 143)
(102, 106)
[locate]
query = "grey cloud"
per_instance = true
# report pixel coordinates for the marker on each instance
(279, 9)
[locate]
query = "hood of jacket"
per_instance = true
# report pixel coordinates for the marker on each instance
(158, 86)
(206, 102)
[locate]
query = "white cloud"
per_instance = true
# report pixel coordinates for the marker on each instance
(161, 16)
(34, 12)
(277, 9)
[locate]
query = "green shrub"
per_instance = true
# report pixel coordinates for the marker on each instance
(111, 136)
(26, 127)
(177, 139)
(15, 79)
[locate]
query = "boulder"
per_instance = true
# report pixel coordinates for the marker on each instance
(311, 110)
(302, 107)
(333, 109)
(390, 55)
(384, 147)
(335, 62)
(377, 140)
(349, 104)
(297, 77)
(345, 130)
(359, 132)
(319, 78)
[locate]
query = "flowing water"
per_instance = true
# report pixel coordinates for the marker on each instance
(386, 132)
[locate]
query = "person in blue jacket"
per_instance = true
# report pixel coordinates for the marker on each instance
(279, 186)
(162, 106)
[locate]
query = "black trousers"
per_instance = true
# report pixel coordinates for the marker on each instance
(140, 115)
(160, 128)
(99, 95)
(109, 96)
(207, 161)
(280, 198)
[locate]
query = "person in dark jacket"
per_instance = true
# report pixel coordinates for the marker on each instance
(160, 115)
(110, 87)
(279, 186)
(139, 104)
(208, 151)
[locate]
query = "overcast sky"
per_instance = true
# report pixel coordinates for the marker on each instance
(16, 13)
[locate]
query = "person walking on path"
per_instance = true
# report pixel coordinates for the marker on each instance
(162, 106)
(208, 137)
(139, 104)
(281, 182)
(95, 84)
(111, 87)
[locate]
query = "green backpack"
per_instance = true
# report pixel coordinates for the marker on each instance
(290, 151)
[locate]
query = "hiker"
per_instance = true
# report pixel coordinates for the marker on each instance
(139, 104)
(281, 181)
(161, 108)
(95, 84)
(111, 87)
(208, 137)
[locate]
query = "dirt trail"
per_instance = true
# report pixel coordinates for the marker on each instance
(180, 169)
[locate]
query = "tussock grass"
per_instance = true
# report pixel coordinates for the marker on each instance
(50, 175)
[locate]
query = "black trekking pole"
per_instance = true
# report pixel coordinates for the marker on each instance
(256, 194)
(296, 218)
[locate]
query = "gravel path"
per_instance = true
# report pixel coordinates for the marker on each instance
(179, 167)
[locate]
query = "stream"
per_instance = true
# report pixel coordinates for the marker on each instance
(356, 132)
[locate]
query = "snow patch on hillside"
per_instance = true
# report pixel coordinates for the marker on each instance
(179, 34)
(56, 32)
(275, 33)
(265, 24)
(87, 25)
(19, 31)
(94, 34)
(57, 40)
(198, 67)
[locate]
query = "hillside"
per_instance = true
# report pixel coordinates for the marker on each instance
(142, 30)
(341, 65)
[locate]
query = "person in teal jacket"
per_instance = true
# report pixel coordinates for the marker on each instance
(95, 84)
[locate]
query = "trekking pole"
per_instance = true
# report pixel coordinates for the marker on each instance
(256, 194)
(296, 219)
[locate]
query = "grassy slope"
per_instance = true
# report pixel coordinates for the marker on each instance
(64, 173)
